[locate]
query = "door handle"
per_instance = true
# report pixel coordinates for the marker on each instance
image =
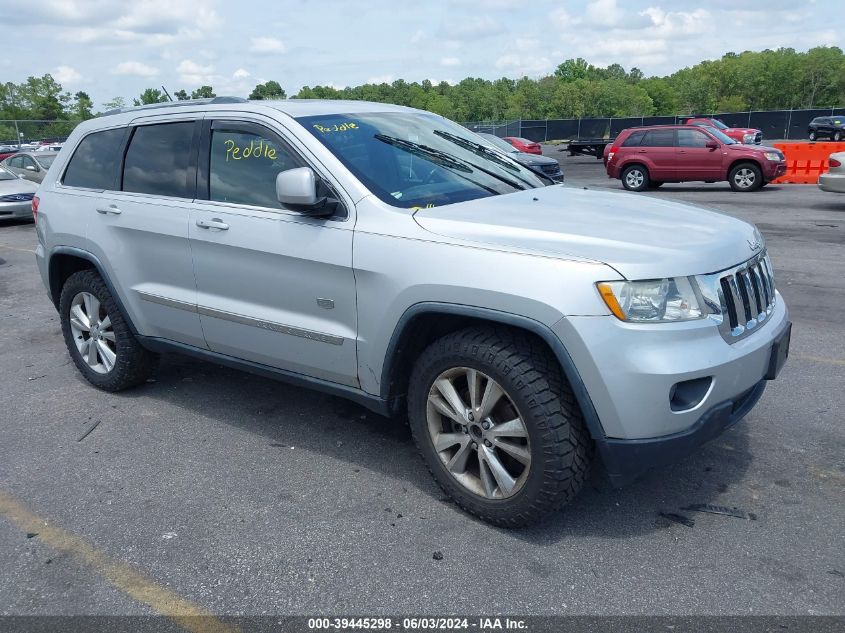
(110, 210)
(215, 223)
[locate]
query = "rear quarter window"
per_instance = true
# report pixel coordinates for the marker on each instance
(634, 139)
(94, 162)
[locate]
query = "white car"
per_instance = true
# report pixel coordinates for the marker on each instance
(834, 180)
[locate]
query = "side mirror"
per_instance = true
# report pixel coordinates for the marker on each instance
(21, 176)
(711, 145)
(296, 189)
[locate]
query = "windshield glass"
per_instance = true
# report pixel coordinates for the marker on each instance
(718, 124)
(721, 136)
(418, 160)
(498, 143)
(45, 161)
(6, 175)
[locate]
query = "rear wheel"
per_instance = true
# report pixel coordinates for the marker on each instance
(745, 177)
(97, 336)
(812, 135)
(498, 425)
(837, 136)
(635, 178)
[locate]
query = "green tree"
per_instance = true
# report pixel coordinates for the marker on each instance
(115, 104)
(268, 90)
(181, 95)
(82, 106)
(572, 70)
(150, 95)
(203, 92)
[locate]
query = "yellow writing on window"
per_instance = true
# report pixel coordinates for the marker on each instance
(261, 149)
(430, 205)
(341, 127)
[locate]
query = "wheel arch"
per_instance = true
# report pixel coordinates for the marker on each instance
(65, 261)
(423, 323)
(740, 161)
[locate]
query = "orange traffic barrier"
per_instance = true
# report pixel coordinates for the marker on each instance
(805, 162)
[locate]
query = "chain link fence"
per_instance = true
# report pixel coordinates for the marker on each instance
(13, 131)
(775, 124)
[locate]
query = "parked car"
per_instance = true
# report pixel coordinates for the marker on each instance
(832, 127)
(647, 157)
(15, 196)
(524, 145)
(747, 135)
(548, 166)
(8, 150)
(834, 179)
(385, 255)
(30, 165)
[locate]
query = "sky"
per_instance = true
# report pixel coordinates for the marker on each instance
(114, 48)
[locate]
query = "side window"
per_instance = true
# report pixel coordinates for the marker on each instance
(244, 166)
(659, 138)
(16, 162)
(158, 160)
(634, 140)
(93, 163)
(692, 138)
(28, 162)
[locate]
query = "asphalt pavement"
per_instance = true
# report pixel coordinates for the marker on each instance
(228, 493)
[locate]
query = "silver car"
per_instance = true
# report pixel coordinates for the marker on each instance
(15, 196)
(30, 165)
(389, 256)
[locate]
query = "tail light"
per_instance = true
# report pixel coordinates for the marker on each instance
(835, 163)
(35, 202)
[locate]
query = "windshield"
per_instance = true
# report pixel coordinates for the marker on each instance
(418, 160)
(45, 161)
(498, 143)
(718, 124)
(6, 175)
(721, 136)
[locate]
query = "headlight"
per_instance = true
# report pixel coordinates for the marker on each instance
(748, 138)
(772, 155)
(653, 300)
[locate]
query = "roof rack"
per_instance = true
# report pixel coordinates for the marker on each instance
(175, 104)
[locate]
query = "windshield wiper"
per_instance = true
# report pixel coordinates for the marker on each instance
(491, 155)
(437, 157)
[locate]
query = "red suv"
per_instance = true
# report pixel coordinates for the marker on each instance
(646, 157)
(746, 135)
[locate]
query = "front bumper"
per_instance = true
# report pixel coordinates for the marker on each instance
(9, 210)
(632, 373)
(834, 183)
(773, 169)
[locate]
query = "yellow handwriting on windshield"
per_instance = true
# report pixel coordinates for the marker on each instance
(261, 149)
(342, 127)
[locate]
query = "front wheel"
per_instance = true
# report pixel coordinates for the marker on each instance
(497, 425)
(635, 178)
(812, 135)
(97, 336)
(837, 136)
(745, 177)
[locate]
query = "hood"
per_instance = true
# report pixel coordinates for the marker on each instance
(642, 237)
(533, 159)
(741, 130)
(17, 185)
(739, 147)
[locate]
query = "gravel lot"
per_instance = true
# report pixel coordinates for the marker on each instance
(247, 496)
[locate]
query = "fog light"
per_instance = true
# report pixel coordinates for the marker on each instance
(689, 393)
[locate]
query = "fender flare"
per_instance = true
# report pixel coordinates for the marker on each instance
(579, 389)
(55, 292)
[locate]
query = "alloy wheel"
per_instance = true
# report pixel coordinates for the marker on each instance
(635, 178)
(744, 178)
(92, 332)
(478, 433)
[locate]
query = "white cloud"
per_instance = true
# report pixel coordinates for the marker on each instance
(603, 13)
(266, 45)
(417, 37)
(380, 79)
(519, 65)
(193, 73)
(675, 24)
(241, 73)
(473, 28)
(66, 75)
(450, 61)
(135, 68)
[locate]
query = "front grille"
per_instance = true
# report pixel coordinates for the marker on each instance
(758, 138)
(551, 170)
(16, 197)
(740, 298)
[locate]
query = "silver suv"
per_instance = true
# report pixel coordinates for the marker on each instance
(390, 256)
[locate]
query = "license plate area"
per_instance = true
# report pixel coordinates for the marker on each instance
(780, 352)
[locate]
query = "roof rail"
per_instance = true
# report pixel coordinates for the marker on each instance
(174, 104)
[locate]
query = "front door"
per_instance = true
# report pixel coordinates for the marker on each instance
(275, 287)
(696, 161)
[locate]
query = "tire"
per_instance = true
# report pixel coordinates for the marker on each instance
(129, 364)
(635, 178)
(654, 184)
(837, 136)
(550, 432)
(745, 177)
(813, 135)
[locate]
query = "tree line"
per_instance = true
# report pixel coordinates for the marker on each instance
(765, 80)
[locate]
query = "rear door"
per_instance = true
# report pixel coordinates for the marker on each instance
(694, 160)
(275, 287)
(140, 229)
(657, 150)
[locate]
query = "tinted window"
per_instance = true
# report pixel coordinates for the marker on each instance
(692, 138)
(659, 138)
(93, 162)
(633, 140)
(17, 162)
(244, 166)
(157, 160)
(46, 161)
